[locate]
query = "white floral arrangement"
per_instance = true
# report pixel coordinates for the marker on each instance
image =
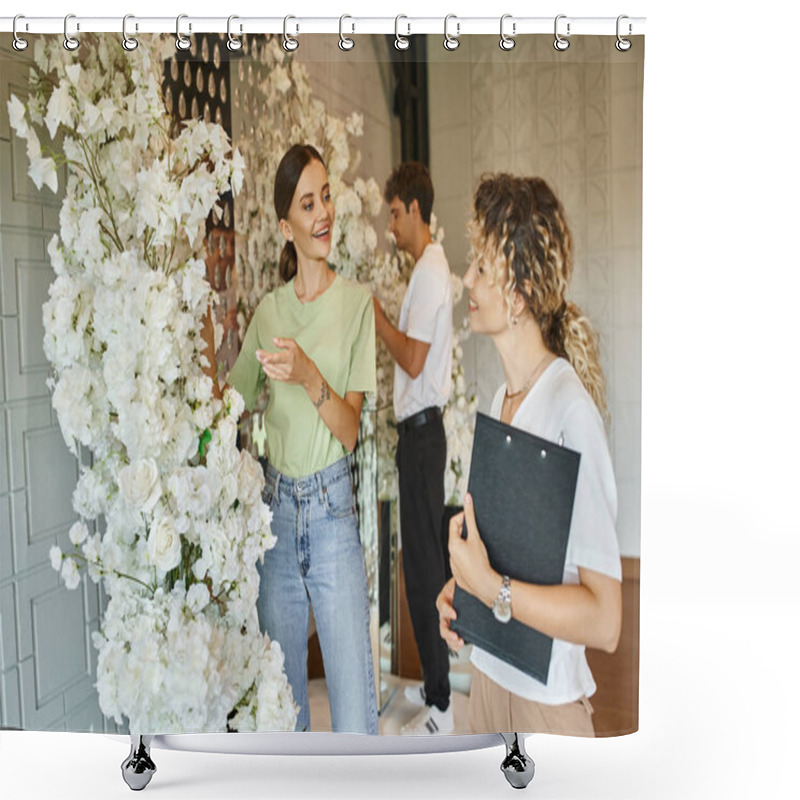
(172, 520)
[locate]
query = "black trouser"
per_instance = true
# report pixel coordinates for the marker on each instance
(421, 458)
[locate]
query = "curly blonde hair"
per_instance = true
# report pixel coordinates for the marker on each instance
(523, 223)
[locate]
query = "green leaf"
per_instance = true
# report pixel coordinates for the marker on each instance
(205, 441)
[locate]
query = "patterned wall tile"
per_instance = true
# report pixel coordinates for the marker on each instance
(627, 288)
(626, 144)
(626, 217)
(458, 211)
(546, 162)
(450, 154)
(573, 83)
(598, 112)
(597, 80)
(573, 158)
(624, 76)
(598, 153)
(547, 79)
(598, 235)
(525, 133)
(573, 125)
(628, 350)
(549, 125)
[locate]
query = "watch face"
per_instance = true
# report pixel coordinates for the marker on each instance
(502, 611)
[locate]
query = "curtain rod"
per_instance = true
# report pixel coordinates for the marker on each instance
(349, 25)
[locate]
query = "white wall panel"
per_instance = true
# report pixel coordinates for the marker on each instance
(4, 481)
(45, 655)
(10, 699)
(6, 553)
(37, 717)
(19, 251)
(58, 627)
(9, 652)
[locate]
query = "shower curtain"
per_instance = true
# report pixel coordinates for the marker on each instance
(137, 193)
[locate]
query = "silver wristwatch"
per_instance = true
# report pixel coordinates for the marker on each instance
(501, 608)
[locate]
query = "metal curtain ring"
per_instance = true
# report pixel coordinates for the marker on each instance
(507, 42)
(182, 42)
(401, 42)
(233, 43)
(623, 45)
(344, 42)
(451, 42)
(560, 43)
(128, 43)
(18, 43)
(70, 42)
(290, 44)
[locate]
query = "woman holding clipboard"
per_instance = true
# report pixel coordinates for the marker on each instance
(554, 388)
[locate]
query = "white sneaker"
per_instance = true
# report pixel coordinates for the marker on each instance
(415, 695)
(429, 721)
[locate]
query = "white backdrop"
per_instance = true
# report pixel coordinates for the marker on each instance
(720, 602)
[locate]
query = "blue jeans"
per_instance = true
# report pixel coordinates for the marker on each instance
(318, 559)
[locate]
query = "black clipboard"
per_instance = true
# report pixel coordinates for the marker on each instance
(523, 491)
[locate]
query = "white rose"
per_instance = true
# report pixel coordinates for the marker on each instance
(164, 544)
(140, 485)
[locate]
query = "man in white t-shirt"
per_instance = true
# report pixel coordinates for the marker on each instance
(422, 348)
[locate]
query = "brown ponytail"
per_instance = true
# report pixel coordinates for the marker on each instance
(287, 176)
(287, 266)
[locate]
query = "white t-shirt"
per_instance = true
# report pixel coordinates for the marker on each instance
(427, 315)
(558, 406)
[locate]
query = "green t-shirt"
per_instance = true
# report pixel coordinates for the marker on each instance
(337, 332)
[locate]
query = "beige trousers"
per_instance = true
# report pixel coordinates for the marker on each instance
(493, 709)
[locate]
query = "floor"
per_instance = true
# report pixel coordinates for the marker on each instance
(397, 712)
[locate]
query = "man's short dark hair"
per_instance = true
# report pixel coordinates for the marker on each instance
(411, 181)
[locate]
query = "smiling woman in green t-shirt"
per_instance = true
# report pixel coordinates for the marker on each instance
(314, 338)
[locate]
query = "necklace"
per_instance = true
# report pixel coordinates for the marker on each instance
(529, 382)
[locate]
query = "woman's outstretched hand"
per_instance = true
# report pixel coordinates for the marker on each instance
(444, 605)
(289, 365)
(469, 560)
